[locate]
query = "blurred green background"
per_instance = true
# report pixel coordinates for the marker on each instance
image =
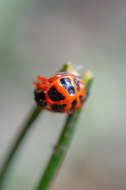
(37, 37)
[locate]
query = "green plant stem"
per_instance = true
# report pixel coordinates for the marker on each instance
(59, 151)
(24, 130)
(26, 126)
(61, 147)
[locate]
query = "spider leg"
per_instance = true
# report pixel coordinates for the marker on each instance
(43, 79)
(37, 85)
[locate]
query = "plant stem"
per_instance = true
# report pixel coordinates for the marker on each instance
(24, 129)
(26, 126)
(61, 146)
(59, 151)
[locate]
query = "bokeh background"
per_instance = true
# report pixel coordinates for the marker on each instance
(37, 37)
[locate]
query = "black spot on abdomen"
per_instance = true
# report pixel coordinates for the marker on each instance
(57, 107)
(71, 90)
(40, 97)
(67, 85)
(54, 95)
(80, 98)
(74, 103)
(77, 84)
